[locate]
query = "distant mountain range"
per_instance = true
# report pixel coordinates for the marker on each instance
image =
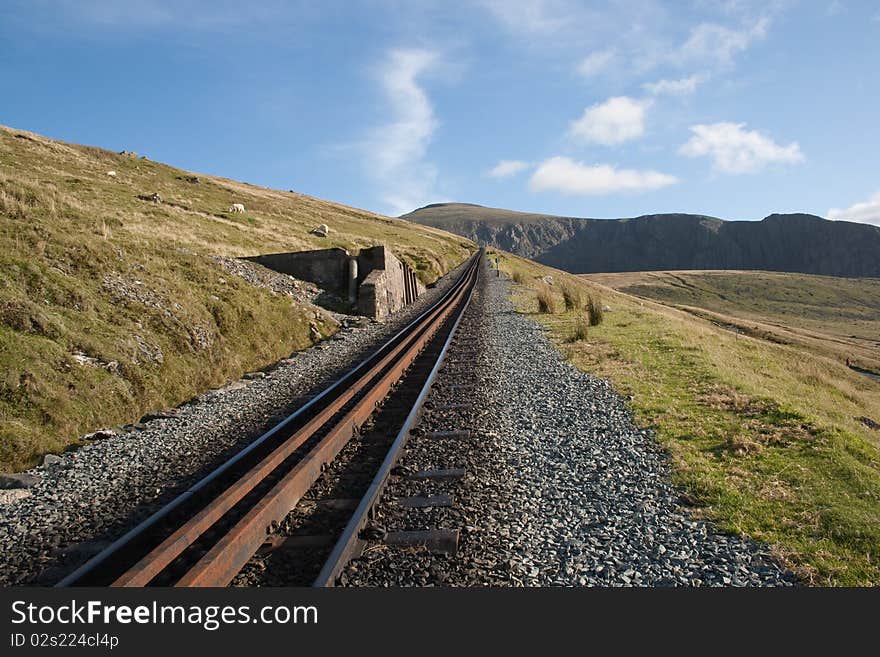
(781, 242)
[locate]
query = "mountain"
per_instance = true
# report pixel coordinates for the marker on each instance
(781, 242)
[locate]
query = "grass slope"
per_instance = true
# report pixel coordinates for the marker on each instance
(87, 267)
(765, 438)
(839, 317)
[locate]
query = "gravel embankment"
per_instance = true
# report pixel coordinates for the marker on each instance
(561, 487)
(89, 496)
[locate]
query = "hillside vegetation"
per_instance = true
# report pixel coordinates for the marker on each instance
(112, 304)
(776, 441)
(837, 317)
(780, 242)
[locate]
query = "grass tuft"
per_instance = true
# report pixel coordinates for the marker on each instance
(546, 300)
(571, 297)
(595, 313)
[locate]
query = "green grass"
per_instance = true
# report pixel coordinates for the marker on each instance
(764, 437)
(838, 316)
(71, 236)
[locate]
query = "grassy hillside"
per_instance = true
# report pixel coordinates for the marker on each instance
(775, 441)
(838, 317)
(111, 304)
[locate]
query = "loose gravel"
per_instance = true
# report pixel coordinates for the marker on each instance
(561, 487)
(87, 497)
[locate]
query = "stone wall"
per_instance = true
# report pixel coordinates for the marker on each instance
(326, 268)
(375, 282)
(379, 295)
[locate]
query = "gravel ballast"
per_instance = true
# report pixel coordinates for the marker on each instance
(561, 488)
(83, 500)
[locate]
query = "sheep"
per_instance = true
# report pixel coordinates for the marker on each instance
(236, 207)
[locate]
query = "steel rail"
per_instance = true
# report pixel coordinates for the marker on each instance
(172, 547)
(347, 545)
(227, 557)
(324, 406)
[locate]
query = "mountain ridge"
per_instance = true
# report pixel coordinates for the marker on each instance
(788, 242)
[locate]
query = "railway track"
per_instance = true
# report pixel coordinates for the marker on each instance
(205, 536)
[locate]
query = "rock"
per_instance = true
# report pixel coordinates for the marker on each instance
(321, 231)
(51, 459)
(112, 174)
(137, 426)
(128, 153)
(166, 414)
(547, 279)
(13, 495)
(250, 376)
(100, 434)
(10, 481)
(155, 197)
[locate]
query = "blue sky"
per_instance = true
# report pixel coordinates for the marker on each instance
(732, 108)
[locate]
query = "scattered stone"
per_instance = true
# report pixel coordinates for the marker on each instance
(564, 488)
(155, 197)
(100, 434)
(10, 481)
(128, 153)
(868, 422)
(13, 495)
(167, 414)
(51, 459)
(251, 376)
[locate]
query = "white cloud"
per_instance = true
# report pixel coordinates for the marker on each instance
(711, 42)
(733, 149)
(595, 63)
(867, 212)
(507, 168)
(395, 151)
(532, 17)
(570, 177)
(682, 87)
(615, 121)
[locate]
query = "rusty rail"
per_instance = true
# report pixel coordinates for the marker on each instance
(362, 389)
(348, 545)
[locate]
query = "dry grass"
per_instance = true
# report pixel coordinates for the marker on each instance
(579, 329)
(571, 297)
(594, 310)
(546, 300)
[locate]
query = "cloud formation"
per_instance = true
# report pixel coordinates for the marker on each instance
(615, 121)
(595, 63)
(711, 42)
(733, 149)
(395, 151)
(565, 175)
(682, 87)
(866, 212)
(507, 168)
